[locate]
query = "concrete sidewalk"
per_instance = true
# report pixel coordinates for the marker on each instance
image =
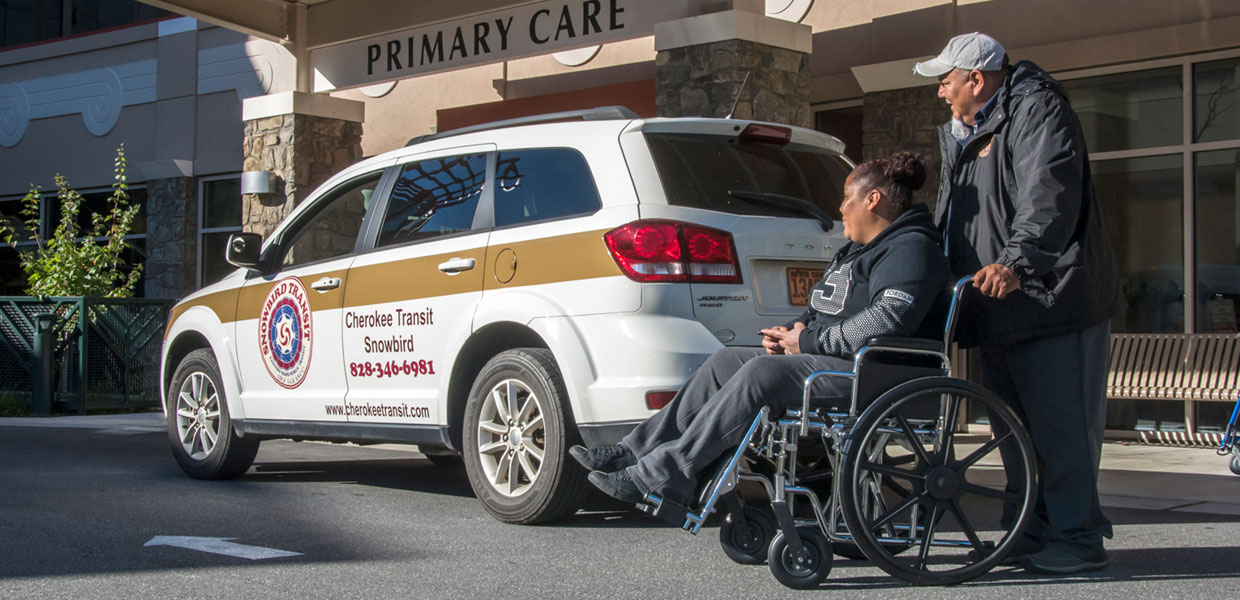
(1135, 476)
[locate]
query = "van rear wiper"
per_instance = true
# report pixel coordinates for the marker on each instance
(802, 206)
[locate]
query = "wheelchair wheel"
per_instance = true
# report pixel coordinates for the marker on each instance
(878, 493)
(959, 509)
(804, 571)
(1235, 460)
(747, 545)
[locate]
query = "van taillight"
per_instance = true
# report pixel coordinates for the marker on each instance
(657, 400)
(671, 251)
(763, 132)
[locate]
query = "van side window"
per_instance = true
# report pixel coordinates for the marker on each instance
(543, 184)
(332, 230)
(433, 198)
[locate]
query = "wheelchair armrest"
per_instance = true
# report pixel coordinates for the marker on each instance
(906, 343)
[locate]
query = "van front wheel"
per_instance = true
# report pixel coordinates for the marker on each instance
(199, 429)
(517, 432)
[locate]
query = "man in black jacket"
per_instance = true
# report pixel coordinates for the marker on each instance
(1017, 210)
(885, 281)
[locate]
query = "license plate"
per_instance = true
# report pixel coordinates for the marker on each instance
(800, 282)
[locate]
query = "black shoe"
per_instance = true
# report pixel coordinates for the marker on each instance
(1060, 559)
(603, 458)
(618, 485)
(1024, 547)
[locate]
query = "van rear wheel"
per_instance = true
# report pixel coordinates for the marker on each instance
(517, 432)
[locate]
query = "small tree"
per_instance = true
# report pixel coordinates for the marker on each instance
(73, 262)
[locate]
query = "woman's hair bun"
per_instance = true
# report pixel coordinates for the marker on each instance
(905, 168)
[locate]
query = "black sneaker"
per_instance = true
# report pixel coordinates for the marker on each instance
(1059, 559)
(603, 458)
(1024, 547)
(618, 485)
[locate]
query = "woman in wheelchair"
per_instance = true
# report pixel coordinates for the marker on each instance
(868, 465)
(884, 282)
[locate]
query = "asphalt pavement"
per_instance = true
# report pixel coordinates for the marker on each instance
(95, 507)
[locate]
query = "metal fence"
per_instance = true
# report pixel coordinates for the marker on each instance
(104, 352)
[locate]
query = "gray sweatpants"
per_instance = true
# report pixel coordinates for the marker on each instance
(714, 408)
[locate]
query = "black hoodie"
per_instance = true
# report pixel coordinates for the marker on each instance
(886, 287)
(1019, 194)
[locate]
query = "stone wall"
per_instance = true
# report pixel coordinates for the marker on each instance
(171, 238)
(303, 151)
(906, 119)
(703, 80)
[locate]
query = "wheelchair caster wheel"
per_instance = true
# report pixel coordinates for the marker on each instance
(804, 571)
(747, 545)
(1235, 460)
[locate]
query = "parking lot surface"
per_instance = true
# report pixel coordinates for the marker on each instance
(95, 507)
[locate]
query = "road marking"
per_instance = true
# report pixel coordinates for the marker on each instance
(216, 545)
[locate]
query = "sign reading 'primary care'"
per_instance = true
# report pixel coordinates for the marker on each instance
(527, 30)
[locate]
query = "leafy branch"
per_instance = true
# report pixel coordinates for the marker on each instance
(73, 262)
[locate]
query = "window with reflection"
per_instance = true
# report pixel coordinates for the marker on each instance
(1216, 100)
(1216, 242)
(542, 184)
(1140, 109)
(332, 228)
(1142, 202)
(221, 217)
(434, 198)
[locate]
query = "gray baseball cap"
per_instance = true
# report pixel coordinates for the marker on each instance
(970, 51)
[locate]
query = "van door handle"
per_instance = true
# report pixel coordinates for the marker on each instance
(325, 284)
(456, 265)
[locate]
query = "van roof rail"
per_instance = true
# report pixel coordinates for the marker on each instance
(599, 113)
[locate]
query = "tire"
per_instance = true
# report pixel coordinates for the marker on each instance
(801, 572)
(519, 467)
(958, 528)
(200, 431)
(1235, 460)
(747, 545)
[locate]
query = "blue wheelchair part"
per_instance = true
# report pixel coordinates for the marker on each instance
(873, 476)
(1228, 446)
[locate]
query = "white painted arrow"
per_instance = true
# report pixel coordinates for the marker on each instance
(218, 546)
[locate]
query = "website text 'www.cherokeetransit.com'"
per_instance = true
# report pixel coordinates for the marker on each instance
(378, 410)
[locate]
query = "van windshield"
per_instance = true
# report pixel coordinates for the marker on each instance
(699, 171)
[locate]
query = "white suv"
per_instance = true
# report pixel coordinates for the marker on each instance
(503, 292)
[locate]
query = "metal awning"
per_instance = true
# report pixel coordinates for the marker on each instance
(339, 44)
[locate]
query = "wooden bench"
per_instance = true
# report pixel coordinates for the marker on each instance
(1174, 366)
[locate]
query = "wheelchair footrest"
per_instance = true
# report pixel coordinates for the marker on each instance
(672, 512)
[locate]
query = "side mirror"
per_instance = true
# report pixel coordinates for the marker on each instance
(244, 250)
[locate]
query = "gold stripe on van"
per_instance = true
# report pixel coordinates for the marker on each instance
(250, 301)
(412, 279)
(550, 260)
(571, 257)
(223, 303)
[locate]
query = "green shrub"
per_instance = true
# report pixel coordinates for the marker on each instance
(73, 262)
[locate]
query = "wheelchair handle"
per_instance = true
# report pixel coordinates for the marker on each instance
(953, 313)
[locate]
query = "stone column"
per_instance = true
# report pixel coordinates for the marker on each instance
(906, 119)
(703, 60)
(304, 139)
(171, 227)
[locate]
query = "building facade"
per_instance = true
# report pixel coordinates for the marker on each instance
(202, 91)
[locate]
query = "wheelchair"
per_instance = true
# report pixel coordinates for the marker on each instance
(880, 477)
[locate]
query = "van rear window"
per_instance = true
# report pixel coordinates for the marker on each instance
(698, 171)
